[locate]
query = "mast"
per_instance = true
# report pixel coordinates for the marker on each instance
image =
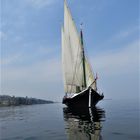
(83, 53)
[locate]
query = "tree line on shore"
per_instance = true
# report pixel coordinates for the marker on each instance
(6, 100)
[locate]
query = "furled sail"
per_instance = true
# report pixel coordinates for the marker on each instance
(72, 57)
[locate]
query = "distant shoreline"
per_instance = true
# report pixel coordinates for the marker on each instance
(6, 100)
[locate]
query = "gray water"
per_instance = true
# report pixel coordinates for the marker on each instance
(111, 120)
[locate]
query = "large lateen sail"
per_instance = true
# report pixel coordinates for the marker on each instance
(72, 57)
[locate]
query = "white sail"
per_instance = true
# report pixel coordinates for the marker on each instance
(67, 66)
(72, 56)
(90, 79)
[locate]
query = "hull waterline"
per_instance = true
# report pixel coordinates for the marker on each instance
(82, 99)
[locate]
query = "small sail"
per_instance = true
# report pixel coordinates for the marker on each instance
(90, 79)
(72, 56)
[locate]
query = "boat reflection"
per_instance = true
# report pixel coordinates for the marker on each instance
(84, 124)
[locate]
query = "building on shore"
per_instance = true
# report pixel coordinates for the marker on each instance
(6, 100)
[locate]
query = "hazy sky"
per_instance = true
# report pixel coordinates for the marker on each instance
(30, 33)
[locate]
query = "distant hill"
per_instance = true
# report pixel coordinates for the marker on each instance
(6, 100)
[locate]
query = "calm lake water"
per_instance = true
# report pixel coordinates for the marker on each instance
(111, 120)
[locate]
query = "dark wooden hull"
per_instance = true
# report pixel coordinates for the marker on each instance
(82, 99)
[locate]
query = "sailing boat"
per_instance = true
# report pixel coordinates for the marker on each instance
(80, 84)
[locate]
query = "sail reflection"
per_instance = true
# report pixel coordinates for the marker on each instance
(84, 124)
